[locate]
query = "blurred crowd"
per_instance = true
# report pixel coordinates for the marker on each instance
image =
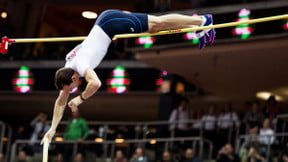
(259, 124)
(257, 127)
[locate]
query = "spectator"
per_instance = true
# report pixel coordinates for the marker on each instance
(190, 157)
(139, 156)
(58, 158)
(227, 118)
(254, 116)
(76, 130)
(119, 157)
(266, 134)
(209, 123)
(166, 157)
(19, 133)
(41, 126)
(226, 154)
(254, 155)
(266, 137)
(250, 140)
(227, 121)
(2, 157)
(22, 157)
(284, 158)
(197, 123)
(247, 107)
(271, 109)
(284, 154)
(79, 157)
(181, 115)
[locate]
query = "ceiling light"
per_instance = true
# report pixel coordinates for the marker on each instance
(3, 15)
(265, 95)
(119, 140)
(59, 139)
(153, 142)
(89, 14)
(98, 140)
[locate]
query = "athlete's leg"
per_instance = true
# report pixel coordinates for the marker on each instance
(178, 21)
(173, 21)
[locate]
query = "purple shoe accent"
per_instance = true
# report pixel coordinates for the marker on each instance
(211, 35)
(202, 42)
(206, 36)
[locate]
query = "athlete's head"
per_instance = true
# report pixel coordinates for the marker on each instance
(66, 79)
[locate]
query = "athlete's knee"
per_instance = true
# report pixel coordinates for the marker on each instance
(155, 23)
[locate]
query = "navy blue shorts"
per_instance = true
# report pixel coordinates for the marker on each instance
(118, 22)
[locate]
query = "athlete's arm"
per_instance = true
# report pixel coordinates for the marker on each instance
(93, 84)
(59, 107)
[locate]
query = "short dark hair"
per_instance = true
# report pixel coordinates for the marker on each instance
(185, 99)
(63, 76)
(272, 99)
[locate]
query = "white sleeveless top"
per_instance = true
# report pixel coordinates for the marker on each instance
(90, 52)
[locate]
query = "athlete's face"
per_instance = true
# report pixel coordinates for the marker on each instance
(75, 80)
